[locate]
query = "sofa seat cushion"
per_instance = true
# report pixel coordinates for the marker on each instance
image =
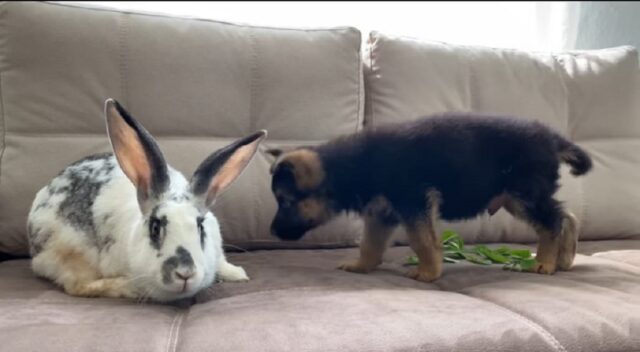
(624, 251)
(296, 300)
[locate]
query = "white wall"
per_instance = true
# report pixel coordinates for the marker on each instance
(491, 23)
(607, 24)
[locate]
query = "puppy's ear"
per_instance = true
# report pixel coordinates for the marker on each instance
(274, 152)
(306, 166)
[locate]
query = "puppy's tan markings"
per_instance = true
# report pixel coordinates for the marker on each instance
(307, 168)
(313, 209)
(547, 253)
(568, 242)
(424, 242)
(81, 279)
(375, 239)
(554, 252)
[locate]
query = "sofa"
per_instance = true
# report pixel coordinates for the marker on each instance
(199, 84)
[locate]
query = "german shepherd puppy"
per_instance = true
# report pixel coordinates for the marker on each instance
(451, 166)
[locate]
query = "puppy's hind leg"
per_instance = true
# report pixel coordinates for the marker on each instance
(550, 221)
(568, 242)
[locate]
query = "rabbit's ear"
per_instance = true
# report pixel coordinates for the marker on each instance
(222, 167)
(137, 153)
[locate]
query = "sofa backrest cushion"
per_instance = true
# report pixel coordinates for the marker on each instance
(592, 97)
(196, 85)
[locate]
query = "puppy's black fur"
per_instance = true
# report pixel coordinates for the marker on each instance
(468, 159)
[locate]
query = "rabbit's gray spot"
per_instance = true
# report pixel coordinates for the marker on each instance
(184, 257)
(42, 205)
(168, 267)
(37, 239)
(53, 190)
(154, 212)
(180, 197)
(181, 258)
(94, 157)
(105, 243)
(84, 182)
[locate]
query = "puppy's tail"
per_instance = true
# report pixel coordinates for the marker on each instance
(573, 155)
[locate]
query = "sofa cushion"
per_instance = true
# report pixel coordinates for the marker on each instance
(195, 84)
(297, 301)
(590, 96)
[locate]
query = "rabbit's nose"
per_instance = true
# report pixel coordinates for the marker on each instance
(184, 274)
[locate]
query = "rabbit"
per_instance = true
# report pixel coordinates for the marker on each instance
(127, 225)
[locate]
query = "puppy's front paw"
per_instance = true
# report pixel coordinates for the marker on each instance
(232, 273)
(543, 268)
(422, 275)
(355, 267)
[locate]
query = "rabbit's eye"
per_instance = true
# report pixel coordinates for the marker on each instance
(154, 230)
(200, 220)
(157, 231)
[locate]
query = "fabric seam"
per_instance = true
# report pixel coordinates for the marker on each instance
(368, 98)
(360, 92)
(253, 79)
(293, 141)
(4, 126)
(122, 44)
(187, 18)
(176, 325)
(548, 337)
(560, 69)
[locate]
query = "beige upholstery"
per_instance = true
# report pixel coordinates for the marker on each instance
(195, 84)
(297, 301)
(199, 84)
(591, 97)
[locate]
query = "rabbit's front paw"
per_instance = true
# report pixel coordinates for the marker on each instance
(230, 272)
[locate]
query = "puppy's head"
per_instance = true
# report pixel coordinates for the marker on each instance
(298, 184)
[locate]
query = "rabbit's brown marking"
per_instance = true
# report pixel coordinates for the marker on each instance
(80, 278)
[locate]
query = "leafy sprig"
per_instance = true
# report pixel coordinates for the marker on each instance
(455, 251)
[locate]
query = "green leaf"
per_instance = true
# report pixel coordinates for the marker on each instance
(476, 259)
(454, 254)
(447, 236)
(412, 260)
(494, 256)
(450, 260)
(459, 241)
(450, 239)
(527, 264)
(520, 253)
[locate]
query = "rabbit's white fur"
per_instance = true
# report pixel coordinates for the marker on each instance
(89, 232)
